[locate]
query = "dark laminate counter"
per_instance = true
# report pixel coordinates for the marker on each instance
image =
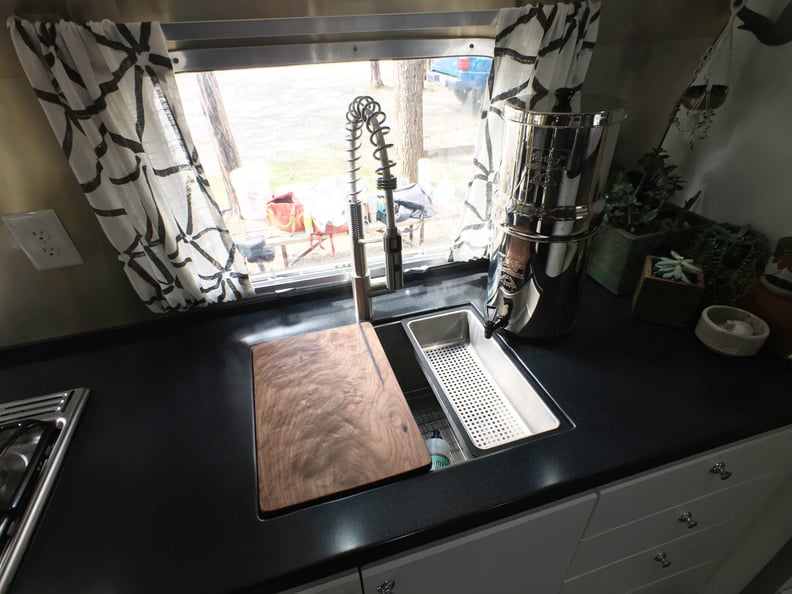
(158, 490)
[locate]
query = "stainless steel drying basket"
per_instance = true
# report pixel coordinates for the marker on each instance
(488, 398)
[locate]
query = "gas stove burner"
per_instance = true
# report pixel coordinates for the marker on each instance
(12, 469)
(22, 447)
(34, 435)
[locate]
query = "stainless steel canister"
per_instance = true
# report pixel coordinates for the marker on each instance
(547, 207)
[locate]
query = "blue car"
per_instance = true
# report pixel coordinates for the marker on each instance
(465, 75)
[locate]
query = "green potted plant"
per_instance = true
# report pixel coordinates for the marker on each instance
(640, 220)
(670, 291)
(732, 257)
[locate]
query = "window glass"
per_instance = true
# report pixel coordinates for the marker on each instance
(281, 131)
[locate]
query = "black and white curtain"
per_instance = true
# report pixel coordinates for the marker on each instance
(539, 50)
(110, 95)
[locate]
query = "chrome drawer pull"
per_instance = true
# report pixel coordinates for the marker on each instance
(720, 468)
(386, 587)
(661, 559)
(687, 518)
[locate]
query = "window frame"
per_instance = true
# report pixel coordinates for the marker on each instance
(258, 43)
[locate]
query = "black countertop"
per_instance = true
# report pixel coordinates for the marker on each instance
(158, 489)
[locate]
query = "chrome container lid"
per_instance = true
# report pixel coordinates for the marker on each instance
(581, 111)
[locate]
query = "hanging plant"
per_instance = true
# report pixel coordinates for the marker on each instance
(694, 111)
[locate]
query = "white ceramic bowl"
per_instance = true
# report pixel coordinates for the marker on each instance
(731, 330)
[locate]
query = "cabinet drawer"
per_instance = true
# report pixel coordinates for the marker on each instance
(531, 552)
(644, 568)
(739, 503)
(346, 583)
(685, 481)
(690, 581)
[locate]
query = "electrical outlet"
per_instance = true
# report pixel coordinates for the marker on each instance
(42, 237)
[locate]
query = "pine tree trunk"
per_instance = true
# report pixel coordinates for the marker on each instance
(409, 115)
(222, 137)
(376, 77)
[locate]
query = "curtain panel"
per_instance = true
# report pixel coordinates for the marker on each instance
(539, 51)
(110, 95)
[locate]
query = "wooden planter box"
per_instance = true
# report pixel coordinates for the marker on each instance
(665, 301)
(617, 256)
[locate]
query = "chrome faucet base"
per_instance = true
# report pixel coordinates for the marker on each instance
(361, 294)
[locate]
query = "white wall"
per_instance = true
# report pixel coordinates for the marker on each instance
(744, 168)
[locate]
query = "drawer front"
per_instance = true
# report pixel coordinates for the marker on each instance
(737, 504)
(631, 500)
(531, 552)
(347, 583)
(647, 567)
(690, 581)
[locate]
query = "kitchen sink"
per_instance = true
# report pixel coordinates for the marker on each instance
(470, 388)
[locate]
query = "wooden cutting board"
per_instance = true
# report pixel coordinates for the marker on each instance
(330, 417)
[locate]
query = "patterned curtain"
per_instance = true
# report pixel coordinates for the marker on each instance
(110, 95)
(539, 50)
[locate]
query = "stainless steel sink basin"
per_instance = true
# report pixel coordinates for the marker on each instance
(488, 398)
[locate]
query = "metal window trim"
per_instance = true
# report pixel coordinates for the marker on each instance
(228, 58)
(252, 43)
(298, 283)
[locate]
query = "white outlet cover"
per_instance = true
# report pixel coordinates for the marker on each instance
(42, 237)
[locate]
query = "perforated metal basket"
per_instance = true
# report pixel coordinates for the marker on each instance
(487, 396)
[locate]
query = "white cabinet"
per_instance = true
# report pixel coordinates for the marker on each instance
(763, 538)
(527, 553)
(638, 497)
(346, 583)
(735, 505)
(652, 565)
(668, 530)
(689, 581)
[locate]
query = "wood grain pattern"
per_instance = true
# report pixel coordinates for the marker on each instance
(330, 417)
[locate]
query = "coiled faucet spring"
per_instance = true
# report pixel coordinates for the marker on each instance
(366, 111)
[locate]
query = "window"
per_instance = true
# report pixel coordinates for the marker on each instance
(273, 131)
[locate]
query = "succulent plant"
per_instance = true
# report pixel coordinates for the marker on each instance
(638, 201)
(677, 268)
(733, 258)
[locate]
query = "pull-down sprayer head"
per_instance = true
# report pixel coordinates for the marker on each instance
(366, 111)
